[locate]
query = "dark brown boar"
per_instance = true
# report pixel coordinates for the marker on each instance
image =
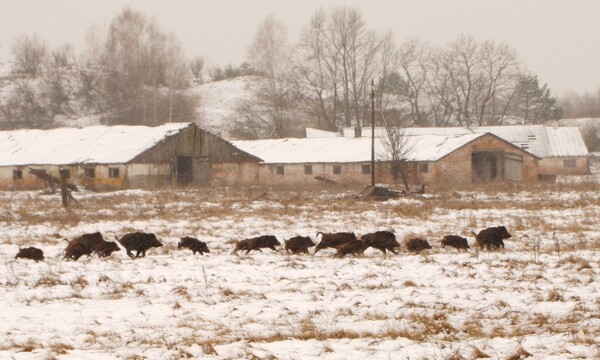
(106, 248)
(381, 240)
(455, 241)
(32, 253)
(193, 244)
(86, 244)
(256, 243)
(139, 242)
(298, 244)
(333, 240)
(417, 245)
(355, 247)
(492, 238)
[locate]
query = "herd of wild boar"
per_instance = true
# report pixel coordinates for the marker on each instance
(345, 243)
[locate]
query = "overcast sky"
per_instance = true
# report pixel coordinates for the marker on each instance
(559, 40)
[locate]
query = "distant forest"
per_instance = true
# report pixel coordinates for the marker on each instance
(324, 78)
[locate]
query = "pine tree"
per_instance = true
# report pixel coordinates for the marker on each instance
(533, 103)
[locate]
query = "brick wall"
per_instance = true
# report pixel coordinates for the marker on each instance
(556, 166)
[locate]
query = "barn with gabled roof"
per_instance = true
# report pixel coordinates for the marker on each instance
(114, 157)
(561, 150)
(429, 160)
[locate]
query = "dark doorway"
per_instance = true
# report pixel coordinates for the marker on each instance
(185, 173)
(487, 166)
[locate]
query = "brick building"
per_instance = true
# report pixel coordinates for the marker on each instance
(114, 157)
(561, 150)
(430, 159)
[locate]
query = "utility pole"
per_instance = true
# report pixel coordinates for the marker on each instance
(372, 133)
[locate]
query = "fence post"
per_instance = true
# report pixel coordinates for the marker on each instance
(64, 191)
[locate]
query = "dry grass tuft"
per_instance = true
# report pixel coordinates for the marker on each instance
(409, 283)
(49, 280)
(477, 353)
(208, 348)
(60, 348)
(554, 295)
(519, 354)
(79, 283)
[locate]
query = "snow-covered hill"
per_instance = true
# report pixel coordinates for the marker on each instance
(220, 102)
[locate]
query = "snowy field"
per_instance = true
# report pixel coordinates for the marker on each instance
(440, 304)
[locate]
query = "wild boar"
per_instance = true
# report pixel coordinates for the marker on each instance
(333, 240)
(356, 247)
(492, 238)
(381, 240)
(455, 241)
(417, 245)
(298, 244)
(140, 242)
(86, 244)
(256, 243)
(32, 253)
(193, 244)
(106, 248)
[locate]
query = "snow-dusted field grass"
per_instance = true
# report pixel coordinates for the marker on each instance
(440, 304)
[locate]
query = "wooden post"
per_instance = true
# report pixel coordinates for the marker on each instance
(373, 133)
(64, 191)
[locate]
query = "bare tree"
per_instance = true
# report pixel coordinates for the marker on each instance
(470, 83)
(317, 65)
(439, 93)
(498, 64)
(138, 64)
(460, 61)
(28, 53)
(337, 57)
(57, 81)
(414, 62)
(25, 107)
(581, 105)
(197, 68)
(268, 55)
(395, 144)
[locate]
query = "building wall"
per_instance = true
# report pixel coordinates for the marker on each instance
(204, 148)
(564, 166)
(456, 168)
(124, 176)
(240, 173)
(27, 182)
(193, 142)
(453, 169)
(293, 174)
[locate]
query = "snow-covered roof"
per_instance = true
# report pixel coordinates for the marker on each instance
(94, 144)
(345, 150)
(542, 141)
(317, 133)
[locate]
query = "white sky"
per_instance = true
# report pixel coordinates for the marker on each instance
(559, 40)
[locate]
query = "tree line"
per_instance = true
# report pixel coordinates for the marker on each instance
(131, 73)
(326, 75)
(135, 73)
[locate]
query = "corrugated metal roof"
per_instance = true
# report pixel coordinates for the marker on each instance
(540, 140)
(345, 150)
(94, 144)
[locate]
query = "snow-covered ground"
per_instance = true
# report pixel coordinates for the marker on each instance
(440, 304)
